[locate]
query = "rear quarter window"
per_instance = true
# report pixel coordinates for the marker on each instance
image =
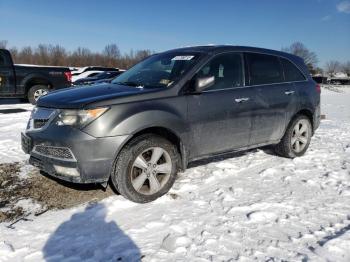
(264, 69)
(291, 72)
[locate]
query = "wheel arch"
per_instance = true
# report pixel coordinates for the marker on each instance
(309, 114)
(165, 133)
(33, 80)
(306, 112)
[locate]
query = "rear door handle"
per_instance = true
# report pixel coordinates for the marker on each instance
(289, 92)
(242, 99)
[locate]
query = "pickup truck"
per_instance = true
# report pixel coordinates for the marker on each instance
(30, 81)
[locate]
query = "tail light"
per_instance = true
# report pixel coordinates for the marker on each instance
(318, 88)
(68, 76)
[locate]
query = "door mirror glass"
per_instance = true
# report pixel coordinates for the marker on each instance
(202, 83)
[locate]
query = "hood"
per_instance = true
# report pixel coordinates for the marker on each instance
(78, 97)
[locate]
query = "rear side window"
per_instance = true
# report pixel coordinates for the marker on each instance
(264, 69)
(291, 72)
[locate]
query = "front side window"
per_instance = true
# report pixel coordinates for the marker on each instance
(291, 72)
(264, 69)
(160, 70)
(227, 70)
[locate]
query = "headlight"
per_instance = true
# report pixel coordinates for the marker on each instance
(79, 118)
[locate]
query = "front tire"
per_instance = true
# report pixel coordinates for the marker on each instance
(146, 168)
(35, 92)
(296, 139)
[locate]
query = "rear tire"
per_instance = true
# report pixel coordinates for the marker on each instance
(296, 139)
(145, 168)
(35, 92)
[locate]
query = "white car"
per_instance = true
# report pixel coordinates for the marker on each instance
(85, 74)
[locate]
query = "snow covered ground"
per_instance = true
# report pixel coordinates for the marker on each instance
(11, 125)
(253, 206)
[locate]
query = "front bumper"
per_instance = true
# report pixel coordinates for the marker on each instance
(93, 158)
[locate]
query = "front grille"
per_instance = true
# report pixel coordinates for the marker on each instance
(39, 123)
(55, 152)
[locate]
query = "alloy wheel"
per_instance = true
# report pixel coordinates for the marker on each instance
(38, 93)
(300, 136)
(151, 170)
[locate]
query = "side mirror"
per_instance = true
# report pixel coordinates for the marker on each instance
(202, 83)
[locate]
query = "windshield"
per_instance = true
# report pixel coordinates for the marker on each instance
(161, 70)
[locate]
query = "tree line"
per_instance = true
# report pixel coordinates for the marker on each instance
(331, 67)
(56, 55)
(111, 56)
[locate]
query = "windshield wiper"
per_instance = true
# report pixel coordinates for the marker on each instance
(129, 83)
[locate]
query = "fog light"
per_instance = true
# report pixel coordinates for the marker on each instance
(67, 171)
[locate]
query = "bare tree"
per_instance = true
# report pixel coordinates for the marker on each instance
(317, 71)
(25, 56)
(301, 50)
(111, 51)
(346, 68)
(131, 58)
(111, 54)
(81, 57)
(57, 55)
(142, 54)
(42, 55)
(14, 53)
(3, 43)
(332, 67)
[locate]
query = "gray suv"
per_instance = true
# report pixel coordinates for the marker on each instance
(170, 109)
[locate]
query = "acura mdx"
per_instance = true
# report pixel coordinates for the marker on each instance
(172, 108)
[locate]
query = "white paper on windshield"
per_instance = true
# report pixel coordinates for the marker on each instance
(183, 57)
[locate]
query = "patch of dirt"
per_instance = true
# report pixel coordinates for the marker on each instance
(49, 193)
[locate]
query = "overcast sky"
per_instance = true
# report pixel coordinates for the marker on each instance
(322, 25)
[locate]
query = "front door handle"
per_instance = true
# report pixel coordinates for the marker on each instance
(242, 99)
(289, 92)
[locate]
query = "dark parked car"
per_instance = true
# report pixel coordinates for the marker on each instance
(338, 80)
(27, 81)
(170, 109)
(100, 78)
(320, 79)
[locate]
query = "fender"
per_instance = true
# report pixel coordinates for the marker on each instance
(141, 120)
(131, 118)
(128, 120)
(305, 111)
(39, 78)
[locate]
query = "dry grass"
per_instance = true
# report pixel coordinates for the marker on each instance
(50, 194)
